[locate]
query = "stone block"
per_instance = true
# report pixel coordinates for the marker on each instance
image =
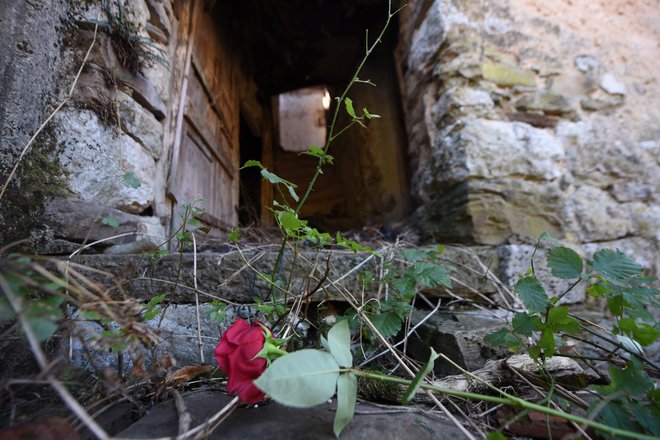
(79, 220)
(273, 421)
(427, 38)
(459, 336)
(97, 160)
(591, 214)
(159, 16)
(547, 103)
(611, 85)
(140, 124)
(492, 211)
(506, 75)
(515, 261)
(494, 149)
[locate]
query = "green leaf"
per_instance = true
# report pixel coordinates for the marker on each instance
(646, 418)
(131, 181)
(414, 255)
(547, 342)
(292, 192)
(234, 235)
(253, 163)
(111, 221)
(419, 377)
(324, 343)
(273, 178)
(558, 319)
(349, 107)
(614, 265)
(405, 285)
(339, 341)
(503, 337)
(495, 435)
(301, 379)
(532, 294)
(346, 398)
(431, 275)
(387, 323)
(369, 115)
(525, 324)
(289, 221)
(550, 238)
(42, 327)
(564, 263)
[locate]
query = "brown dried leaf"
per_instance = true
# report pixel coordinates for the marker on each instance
(186, 374)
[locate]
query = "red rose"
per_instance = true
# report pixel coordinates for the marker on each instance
(236, 356)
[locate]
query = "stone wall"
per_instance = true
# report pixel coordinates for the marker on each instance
(533, 116)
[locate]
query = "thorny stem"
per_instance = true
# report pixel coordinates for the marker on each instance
(509, 400)
(331, 133)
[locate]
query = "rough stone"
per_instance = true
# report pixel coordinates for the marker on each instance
(33, 69)
(515, 260)
(601, 103)
(507, 75)
(82, 221)
(273, 421)
(176, 327)
(547, 103)
(427, 39)
(586, 63)
(491, 149)
(140, 124)
(459, 336)
(611, 85)
(145, 94)
(225, 275)
(492, 211)
(159, 17)
(97, 161)
(593, 215)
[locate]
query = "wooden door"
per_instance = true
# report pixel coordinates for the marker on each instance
(206, 156)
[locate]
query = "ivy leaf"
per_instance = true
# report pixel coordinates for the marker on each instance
(525, 324)
(131, 181)
(388, 323)
(532, 294)
(346, 398)
(301, 379)
(419, 377)
(564, 263)
(614, 265)
(111, 221)
(348, 102)
(339, 342)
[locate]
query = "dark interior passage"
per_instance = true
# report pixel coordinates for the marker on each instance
(290, 45)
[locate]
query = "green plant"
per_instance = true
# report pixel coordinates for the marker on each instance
(133, 50)
(630, 401)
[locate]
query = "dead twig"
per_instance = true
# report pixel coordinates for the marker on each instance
(40, 357)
